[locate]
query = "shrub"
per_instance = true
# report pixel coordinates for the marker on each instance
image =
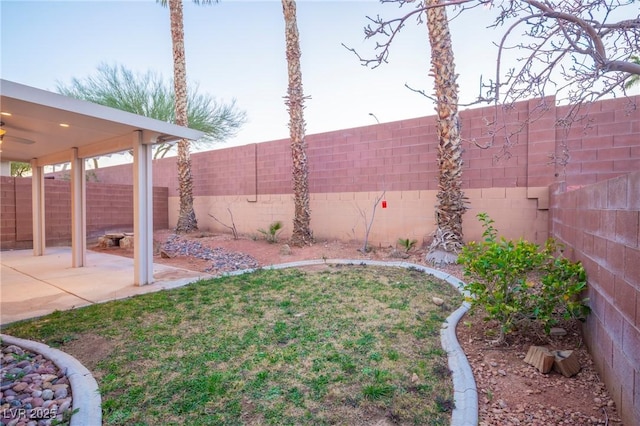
(516, 281)
(271, 235)
(407, 244)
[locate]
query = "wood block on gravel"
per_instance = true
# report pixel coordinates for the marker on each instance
(541, 358)
(566, 363)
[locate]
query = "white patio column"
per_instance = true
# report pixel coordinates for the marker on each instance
(142, 211)
(37, 207)
(78, 211)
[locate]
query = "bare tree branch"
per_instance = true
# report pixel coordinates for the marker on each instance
(369, 223)
(574, 50)
(233, 229)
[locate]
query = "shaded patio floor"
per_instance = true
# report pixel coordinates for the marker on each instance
(32, 286)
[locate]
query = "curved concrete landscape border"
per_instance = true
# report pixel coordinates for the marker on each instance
(84, 388)
(86, 395)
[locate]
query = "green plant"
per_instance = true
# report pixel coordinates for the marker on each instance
(271, 235)
(515, 281)
(407, 244)
(377, 391)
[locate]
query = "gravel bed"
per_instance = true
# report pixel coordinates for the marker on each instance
(221, 260)
(33, 391)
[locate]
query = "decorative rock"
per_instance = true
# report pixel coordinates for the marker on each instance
(65, 405)
(62, 381)
(437, 301)
(115, 235)
(285, 250)
(398, 254)
(166, 255)
(28, 381)
(23, 364)
(222, 260)
(557, 331)
(13, 349)
(20, 387)
(15, 371)
(126, 242)
(49, 377)
(105, 242)
(60, 393)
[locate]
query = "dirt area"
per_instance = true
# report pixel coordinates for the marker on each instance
(510, 392)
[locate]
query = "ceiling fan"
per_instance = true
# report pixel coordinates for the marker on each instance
(9, 138)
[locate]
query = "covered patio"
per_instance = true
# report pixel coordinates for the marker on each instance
(46, 128)
(33, 286)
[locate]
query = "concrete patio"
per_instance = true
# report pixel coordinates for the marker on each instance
(32, 286)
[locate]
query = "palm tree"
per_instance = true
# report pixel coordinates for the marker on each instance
(451, 200)
(187, 218)
(294, 100)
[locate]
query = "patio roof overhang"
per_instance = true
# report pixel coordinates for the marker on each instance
(46, 128)
(43, 125)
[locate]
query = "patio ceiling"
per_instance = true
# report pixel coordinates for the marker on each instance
(32, 120)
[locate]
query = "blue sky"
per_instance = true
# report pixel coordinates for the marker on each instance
(236, 49)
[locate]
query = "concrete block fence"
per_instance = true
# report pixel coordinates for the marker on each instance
(600, 225)
(109, 208)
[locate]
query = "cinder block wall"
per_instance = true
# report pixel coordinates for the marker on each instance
(350, 168)
(109, 208)
(600, 225)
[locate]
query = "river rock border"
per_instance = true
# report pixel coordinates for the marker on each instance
(84, 388)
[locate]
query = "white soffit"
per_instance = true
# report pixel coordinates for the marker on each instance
(33, 129)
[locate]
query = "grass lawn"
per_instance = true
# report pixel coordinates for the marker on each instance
(340, 345)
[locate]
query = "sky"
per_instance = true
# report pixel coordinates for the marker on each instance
(236, 50)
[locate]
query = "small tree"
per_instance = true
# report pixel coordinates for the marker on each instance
(18, 168)
(150, 95)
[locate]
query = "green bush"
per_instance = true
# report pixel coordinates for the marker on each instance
(516, 281)
(271, 235)
(407, 244)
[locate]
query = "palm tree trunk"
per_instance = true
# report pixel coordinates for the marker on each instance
(451, 200)
(302, 234)
(187, 218)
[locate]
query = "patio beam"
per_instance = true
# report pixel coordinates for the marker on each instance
(37, 209)
(78, 211)
(142, 211)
